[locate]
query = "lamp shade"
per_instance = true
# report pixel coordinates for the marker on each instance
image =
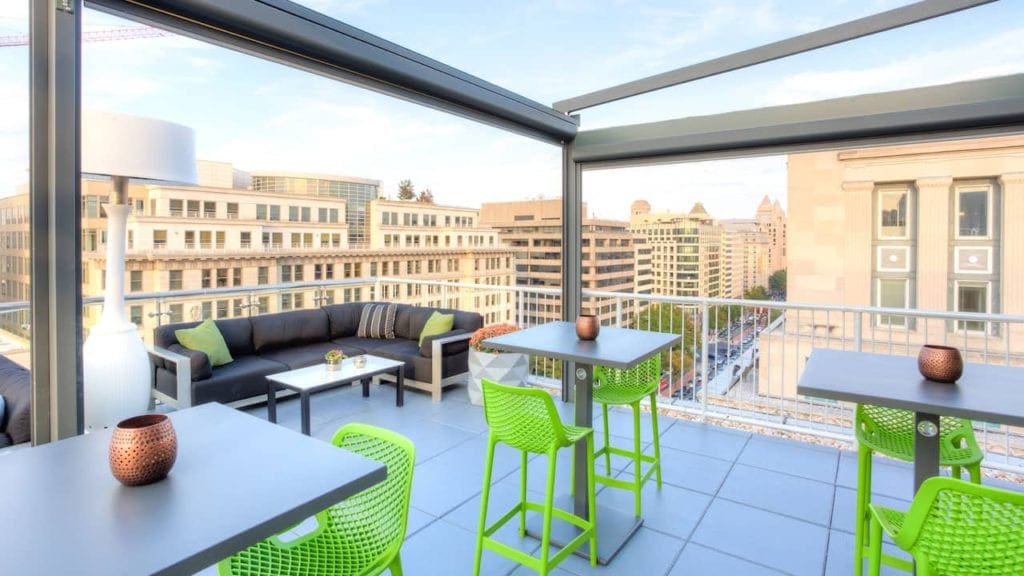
(115, 144)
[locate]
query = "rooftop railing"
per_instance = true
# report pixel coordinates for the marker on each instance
(739, 361)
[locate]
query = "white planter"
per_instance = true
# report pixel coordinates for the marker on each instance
(507, 368)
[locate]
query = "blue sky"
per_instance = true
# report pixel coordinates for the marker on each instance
(264, 116)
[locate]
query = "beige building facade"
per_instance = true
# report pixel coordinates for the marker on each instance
(685, 250)
(746, 256)
(932, 226)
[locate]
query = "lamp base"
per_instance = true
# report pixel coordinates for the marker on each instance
(116, 374)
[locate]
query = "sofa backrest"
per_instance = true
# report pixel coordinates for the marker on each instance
(16, 388)
(287, 329)
(418, 316)
(237, 334)
(343, 319)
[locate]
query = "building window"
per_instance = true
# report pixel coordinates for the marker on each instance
(293, 213)
(193, 208)
(136, 315)
(222, 308)
(207, 276)
(297, 272)
(286, 273)
(177, 208)
(893, 293)
(972, 297)
(261, 211)
(275, 212)
(159, 239)
(177, 313)
(306, 214)
(233, 210)
(245, 240)
(136, 281)
(209, 209)
(974, 212)
(236, 276)
(321, 215)
(174, 279)
(263, 275)
(222, 277)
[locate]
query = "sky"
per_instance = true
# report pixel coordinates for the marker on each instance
(264, 116)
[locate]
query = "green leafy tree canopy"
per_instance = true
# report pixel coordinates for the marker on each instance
(406, 190)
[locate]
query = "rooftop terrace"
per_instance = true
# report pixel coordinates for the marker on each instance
(732, 502)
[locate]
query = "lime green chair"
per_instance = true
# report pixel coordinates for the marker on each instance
(613, 386)
(526, 419)
(360, 536)
(891, 432)
(954, 528)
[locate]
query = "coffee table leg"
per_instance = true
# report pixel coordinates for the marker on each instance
(366, 386)
(400, 387)
(271, 402)
(304, 398)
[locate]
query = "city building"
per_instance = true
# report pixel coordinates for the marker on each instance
(771, 220)
(612, 260)
(746, 254)
(215, 236)
(923, 226)
(685, 250)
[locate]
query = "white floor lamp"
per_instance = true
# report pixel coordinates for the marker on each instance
(115, 364)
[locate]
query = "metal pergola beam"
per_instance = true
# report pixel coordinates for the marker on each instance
(977, 107)
(291, 34)
(56, 223)
(851, 30)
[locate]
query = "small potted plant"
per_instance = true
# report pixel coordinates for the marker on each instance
(333, 359)
(505, 367)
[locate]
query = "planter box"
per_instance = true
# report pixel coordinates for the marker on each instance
(508, 368)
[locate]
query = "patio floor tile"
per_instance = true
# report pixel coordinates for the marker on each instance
(697, 559)
(796, 458)
(705, 439)
(780, 493)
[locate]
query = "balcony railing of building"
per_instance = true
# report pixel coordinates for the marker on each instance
(739, 362)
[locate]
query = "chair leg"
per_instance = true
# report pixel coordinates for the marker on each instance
(657, 443)
(975, 471)
(955, 472)
(637, 460)
(607, 455)
(484, 496)
(549, 504)
(863, 497)
(396, 565)
(592, 500)
(875, 553)
(522, 495)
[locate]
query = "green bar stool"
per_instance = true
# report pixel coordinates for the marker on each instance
(955, 528)
(526, 419)
(613, 386)
(360, 536)
(890, 431)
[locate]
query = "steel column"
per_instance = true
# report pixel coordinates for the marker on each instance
(572, 246)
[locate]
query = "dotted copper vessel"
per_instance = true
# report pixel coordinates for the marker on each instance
(143, 449)
(940, 363)
(587, 327)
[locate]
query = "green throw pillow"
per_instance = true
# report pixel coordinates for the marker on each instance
(206, 338)
(437, 324)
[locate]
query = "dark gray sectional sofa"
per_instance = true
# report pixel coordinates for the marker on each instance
(262, 345)
(16, 388)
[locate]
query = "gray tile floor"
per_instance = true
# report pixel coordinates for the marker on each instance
(732, 502)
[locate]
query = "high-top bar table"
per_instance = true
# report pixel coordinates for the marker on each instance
(616, 348)
(985, 393)
(237, 480)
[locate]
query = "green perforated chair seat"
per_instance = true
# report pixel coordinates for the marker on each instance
(891, 432)
(954, 528)
(360, 536)
(622, 387)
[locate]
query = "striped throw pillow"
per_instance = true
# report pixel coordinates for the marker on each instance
(377, 321)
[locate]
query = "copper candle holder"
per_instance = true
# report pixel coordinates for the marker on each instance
(143, 449)
(940, 363)
(587, 327)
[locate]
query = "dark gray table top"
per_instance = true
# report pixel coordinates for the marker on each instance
(237, 480)
(985, 392)
(614, 347)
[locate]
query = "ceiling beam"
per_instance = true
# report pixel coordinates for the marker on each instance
(851, 30)
(291, 34)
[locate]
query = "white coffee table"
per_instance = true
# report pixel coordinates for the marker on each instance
(316, 378)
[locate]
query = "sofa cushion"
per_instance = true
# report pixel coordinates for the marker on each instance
(427, 346)
(243, 378)
(206, 338)
(237, 334)
(16, 388)
(354, 345)
(343, 318)
(408, 352)
(436, 324)
(301, 356)
(199, 362)
(377, 321)
(403, 321)
(288, 329)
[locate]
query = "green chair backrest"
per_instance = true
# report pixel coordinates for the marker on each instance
(956, 527)
(524, 418)
(643, 378)
(374, 520)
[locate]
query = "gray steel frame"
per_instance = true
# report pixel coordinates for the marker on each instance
(294, 35)
(851, 30)
(56, 223)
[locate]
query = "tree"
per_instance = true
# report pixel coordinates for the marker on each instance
(426, 196)
(405, 190)
(777, 283)
(670, 319)
(756, 293)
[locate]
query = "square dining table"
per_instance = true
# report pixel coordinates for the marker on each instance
(984, 393)
(237, 480)
(617, 348)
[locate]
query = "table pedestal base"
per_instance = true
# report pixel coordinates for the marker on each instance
(614, 529)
